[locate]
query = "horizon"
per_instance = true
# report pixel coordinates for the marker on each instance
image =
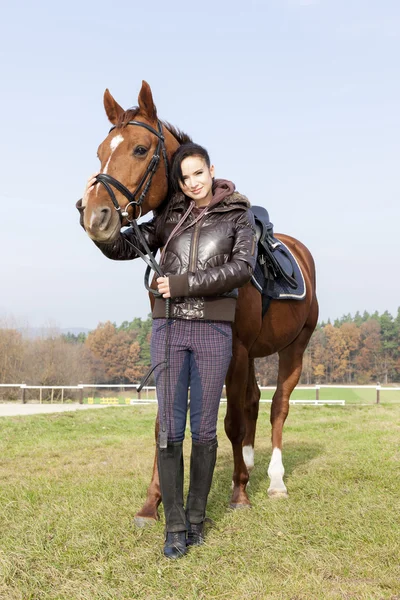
(33, 331)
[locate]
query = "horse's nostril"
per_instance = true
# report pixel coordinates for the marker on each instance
(105, 214)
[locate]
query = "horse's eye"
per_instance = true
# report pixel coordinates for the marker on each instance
(140, 151)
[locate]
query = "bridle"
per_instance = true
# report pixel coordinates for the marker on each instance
(143, 187)
(107, 181)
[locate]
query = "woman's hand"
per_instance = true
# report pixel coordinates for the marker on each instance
(163, 287)
(89, 187)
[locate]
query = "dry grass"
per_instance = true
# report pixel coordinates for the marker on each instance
(71, 483)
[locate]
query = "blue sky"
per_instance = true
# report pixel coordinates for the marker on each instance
(297, 101)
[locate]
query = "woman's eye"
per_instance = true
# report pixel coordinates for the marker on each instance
(140, 151)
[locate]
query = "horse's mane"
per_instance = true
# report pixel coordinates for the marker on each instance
(180, 136)
(131, 113)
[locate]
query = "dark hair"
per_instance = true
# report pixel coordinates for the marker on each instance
(184, 151)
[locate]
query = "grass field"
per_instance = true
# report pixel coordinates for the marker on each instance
(350, 395)
(71, 483)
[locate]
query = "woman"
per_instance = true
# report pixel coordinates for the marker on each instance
(208, 238)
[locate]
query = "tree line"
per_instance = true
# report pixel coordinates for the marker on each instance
(357, 349)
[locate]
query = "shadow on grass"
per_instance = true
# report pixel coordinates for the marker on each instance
(294, 456)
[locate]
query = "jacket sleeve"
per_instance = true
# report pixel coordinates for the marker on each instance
(225, 278)
(121, 248)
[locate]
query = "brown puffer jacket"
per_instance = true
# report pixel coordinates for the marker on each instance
(206, 260)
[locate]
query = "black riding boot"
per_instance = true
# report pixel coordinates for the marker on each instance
(170, 469)
(202, 463)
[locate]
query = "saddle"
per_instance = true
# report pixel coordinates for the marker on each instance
(277, 274)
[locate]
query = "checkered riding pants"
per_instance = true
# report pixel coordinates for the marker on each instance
(199, 357)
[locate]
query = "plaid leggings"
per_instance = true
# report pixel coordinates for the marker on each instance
(199, 357)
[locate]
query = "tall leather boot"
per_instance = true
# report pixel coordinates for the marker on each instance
(170, 469)
(202, 463)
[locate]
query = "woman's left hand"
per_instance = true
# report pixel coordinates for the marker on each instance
(163, 287)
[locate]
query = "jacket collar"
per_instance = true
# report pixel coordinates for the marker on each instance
(233, 201)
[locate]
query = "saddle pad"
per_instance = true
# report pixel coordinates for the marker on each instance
(279, 289)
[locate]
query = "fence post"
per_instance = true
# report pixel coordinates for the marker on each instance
(80, 393)
(317, 387)
(378, 392)
(23, 393)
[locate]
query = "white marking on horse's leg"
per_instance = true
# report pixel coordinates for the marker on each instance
(115, 142)
(248, 456)
(276, 472)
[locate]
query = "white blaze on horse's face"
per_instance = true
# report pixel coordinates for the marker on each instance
(115, 142)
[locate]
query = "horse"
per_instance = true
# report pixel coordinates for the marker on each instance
(127, 157)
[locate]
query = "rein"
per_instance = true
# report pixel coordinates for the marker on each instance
(143, 187)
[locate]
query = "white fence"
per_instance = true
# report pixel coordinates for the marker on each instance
(144, 395)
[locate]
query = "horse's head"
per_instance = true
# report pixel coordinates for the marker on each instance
(133, 173)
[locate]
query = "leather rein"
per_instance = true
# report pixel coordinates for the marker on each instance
(143, 187)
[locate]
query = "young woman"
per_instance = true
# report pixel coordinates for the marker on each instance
(208, 238)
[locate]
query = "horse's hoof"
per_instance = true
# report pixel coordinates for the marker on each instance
(238, 506)
(143, 521)
(278, 494)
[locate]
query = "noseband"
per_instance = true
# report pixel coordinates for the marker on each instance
(145, 181)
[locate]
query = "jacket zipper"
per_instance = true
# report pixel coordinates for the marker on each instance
(194, 247)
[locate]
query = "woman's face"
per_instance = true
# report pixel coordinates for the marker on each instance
(197, 180)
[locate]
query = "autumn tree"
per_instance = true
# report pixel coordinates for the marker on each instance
(119, 352)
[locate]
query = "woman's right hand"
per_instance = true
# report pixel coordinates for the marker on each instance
(89, 187)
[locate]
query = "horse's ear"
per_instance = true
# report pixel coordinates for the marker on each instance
(145, 101)
(112, 108)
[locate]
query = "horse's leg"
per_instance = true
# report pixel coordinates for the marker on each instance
(251, 415)
(148, 514)
(236, 383)
(290, 365)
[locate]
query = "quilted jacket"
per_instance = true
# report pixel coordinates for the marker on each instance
(206, 259)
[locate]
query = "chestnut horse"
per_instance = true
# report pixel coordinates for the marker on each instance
(125, 155)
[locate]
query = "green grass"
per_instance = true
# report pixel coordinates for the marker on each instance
(71, 483)
(350, 395)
